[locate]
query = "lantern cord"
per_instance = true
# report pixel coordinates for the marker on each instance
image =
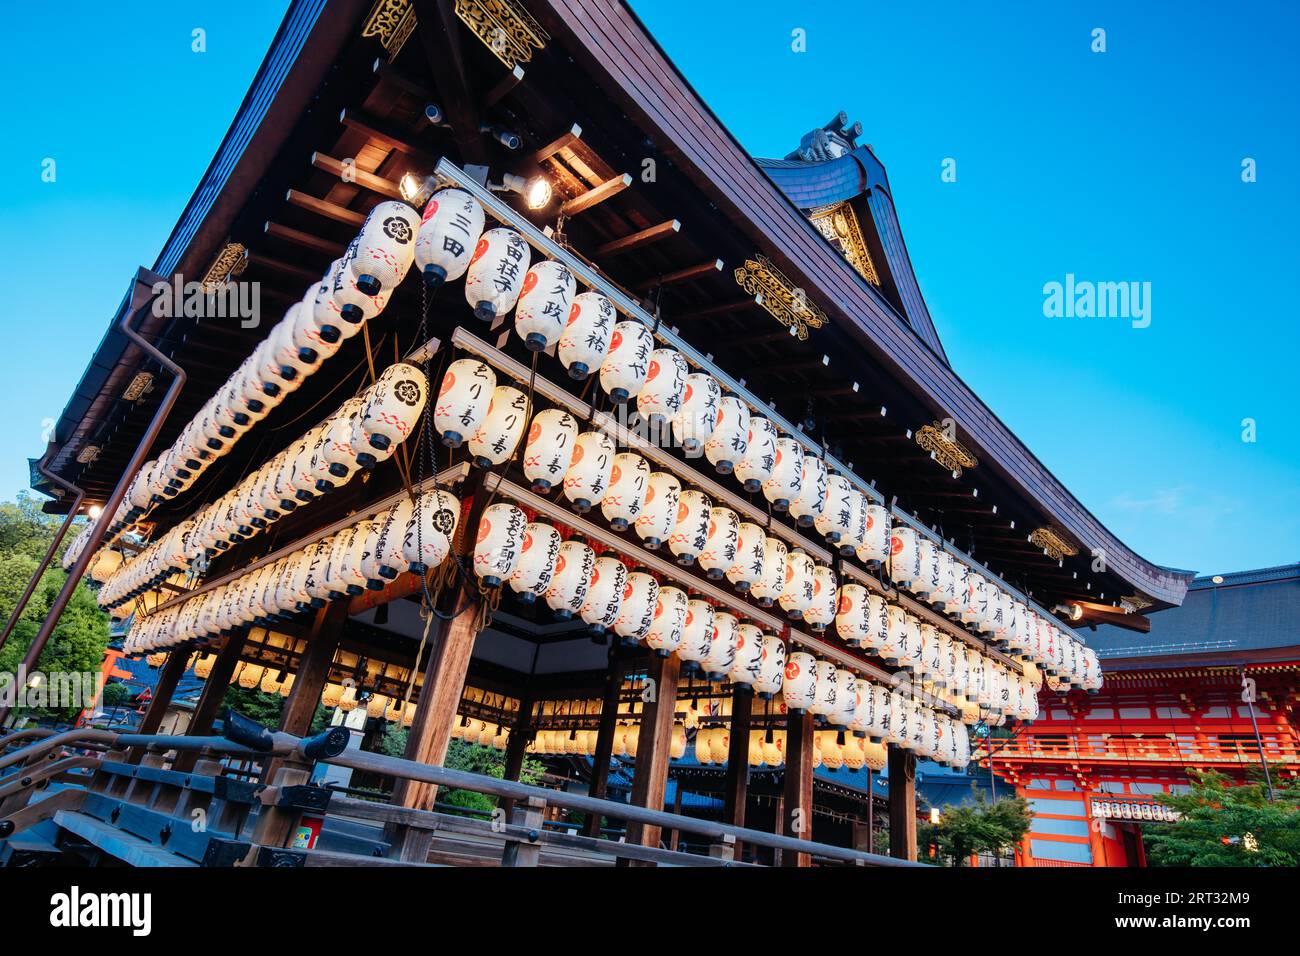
(370, 352)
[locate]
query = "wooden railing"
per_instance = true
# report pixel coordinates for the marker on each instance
(1147, 749)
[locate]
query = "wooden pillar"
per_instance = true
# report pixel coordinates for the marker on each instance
(172, 671)
(902, 804)
(736, 792)
(797, 812)
(605, 737)
(516, 747)
(871, 813)
(214, 692)
(650, 780)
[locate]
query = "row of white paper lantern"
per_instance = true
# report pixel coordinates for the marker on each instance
(831, 749)
(367, 554)
(355, 289)
(366, 429)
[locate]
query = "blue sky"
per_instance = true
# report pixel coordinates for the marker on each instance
(1115, 166)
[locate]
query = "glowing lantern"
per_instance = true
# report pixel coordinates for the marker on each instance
(496, 273)
(448, 234)
(660, 397)
(586, 336)
(719, 551)
(677, 745)
(730, 437)
(395, 402)
(799, 686)
(496, 439)
(463, 400)
(250, 675)
(429, 533)
(905, 555)
(821, 610)
(658, 517)
(811, 498)
(772, 581)
(696, 420)
(755, 466)
(346, 298)
(537, 557)
(629, 481)
(569, 581)
(697, 633)
(786, 480)
(853, 615)
(771, 671)
(722, 649)
(799, 588)
(385, 247)
(588, 476)
(544, 304)
(823, 704)
(627, 364)
(500, 542)
(604, 596)
(665, 633)
(833, 522)
(747, 665)
(549, 451)
(691, 532)
(846, 699)
(747, 568)
(640, 597)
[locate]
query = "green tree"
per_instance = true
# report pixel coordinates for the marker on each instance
(1225, 825)
(255, 705)
(77, 644)
(978, 827)
(488, 761)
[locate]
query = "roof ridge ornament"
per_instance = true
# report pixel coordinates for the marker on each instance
(505, 28)
(787, 303)
(392, 21)
(839, 225)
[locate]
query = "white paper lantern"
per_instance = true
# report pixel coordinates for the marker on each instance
(786, 480)
(755, 466)
(853, 615)
(640, 597)
(665, 633)
(721, 542)
(698, 417)
(691, 531)
(572, 576)
(629, 481)
(833, 522)
(800, 681)
(730, 438)
(386, 420)
(463, 398)
(496, 273)
(658, 516)
(388, 558)
(722, 649)
(450, 231)
(821, 610)
(431, 530)
(824, 694)
(586, 335)
(537, 557)
(846, 699)
(549, 450)
(697, 633)
(811, 502)
(627, 363)
(544, 304)
(604, 596)
(798, 591)
(495, 440)
(660, 397)
(905, 555)
(499, 544)
(588, 476)
(748, 663)
(747, 567)
(771, 670)
(385, 247)
(772, 581)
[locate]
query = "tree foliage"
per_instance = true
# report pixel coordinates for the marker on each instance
(77, 644)
(977, 827)
(1226, 825)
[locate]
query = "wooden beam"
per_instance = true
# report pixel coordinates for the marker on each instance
(650, 779)
(595, 196)
(214, 693)
(721, 308)
(638, 239)
(391, 74)
(359, 177)
(604, 738)
(797, 787)
(285, 268)
(1094, 613)
(304, 239)
(440, 33)
(683, 275)
(503, 86)
(375, 129)
(557, 144)
(171, 674)
(736, 792)
(902, 804)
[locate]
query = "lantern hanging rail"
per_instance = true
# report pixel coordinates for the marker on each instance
(449, 173)
(138, 300)
(913, 606)
(520, 373)
(78, 495)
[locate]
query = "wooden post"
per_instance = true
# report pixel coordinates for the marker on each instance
(516, 852)
(604, 738)
(214, 692)
(871, 813)
(172, 671)
(797, 821)
(736, 793)
(650, 779)
(516, 746)
(902, 804)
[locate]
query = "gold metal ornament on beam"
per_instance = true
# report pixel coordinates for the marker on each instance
(1135, 602)
(392, 21)
(839, 225)
(1053, 543)
(948, 452)
(505, 28)
(788, 304)
(229, 262)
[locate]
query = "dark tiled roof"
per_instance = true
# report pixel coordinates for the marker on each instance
(1248, 610)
